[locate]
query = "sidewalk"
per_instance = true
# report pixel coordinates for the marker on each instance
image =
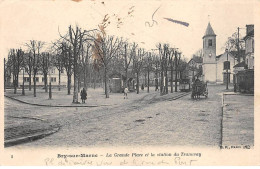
(238, 119)
(95, 98)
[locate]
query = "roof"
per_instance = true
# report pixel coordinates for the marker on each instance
(209, 31)
(241, 64)
(219, 55)
(196, 59)
(234, 53)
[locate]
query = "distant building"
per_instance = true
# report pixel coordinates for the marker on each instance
(249, 46)
(53, 76)
(221, 73)
(244, 71)
(195, 67)
(213, 65)
(209, 65)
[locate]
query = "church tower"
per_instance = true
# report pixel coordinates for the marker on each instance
(209, 55)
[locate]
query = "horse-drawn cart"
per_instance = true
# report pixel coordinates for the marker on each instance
(199, 88)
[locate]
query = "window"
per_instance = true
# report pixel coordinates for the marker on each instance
(37, 79)
(26, 79)
(62, 71)
(53, 79)
(52, 71)
(210, 42)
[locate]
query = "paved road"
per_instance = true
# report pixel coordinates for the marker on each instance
(150, 120)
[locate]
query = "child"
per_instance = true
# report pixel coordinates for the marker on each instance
(125, 93)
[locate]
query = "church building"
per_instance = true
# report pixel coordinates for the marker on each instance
(209, 65)
(213, 65)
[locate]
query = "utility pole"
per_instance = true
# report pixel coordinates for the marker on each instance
(238, 53)
(227, 71)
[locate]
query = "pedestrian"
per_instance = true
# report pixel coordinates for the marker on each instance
(125, 93)
(142, 87)
(110, 88)
(83, 95)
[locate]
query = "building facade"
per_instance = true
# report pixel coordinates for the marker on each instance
(249, 46)
(209, 65)
(53, 77)
(222, 75)
(213, 65)
(195, 68)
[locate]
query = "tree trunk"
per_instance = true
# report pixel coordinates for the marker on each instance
(176, 77)
(95, 79)
(162, 79)
(166, 81)
(45, 82)
(14, 83)
(79, 85)
(145, 79)
(126, 82)
(171, 77)
(34, 84)
(106, 91)
(30, 81)
(137, 83)
(69, 84)
(85, 78)
(75, 91)
(17, 79)
(148, 77)
(59, 78)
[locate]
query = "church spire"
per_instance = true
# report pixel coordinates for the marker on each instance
(209, 31)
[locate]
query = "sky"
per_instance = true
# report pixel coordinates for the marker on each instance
(21, 21)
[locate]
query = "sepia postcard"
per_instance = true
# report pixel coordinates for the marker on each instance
(129, 83)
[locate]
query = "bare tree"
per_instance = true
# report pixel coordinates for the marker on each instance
(28, 60)
(163, 51)
(16, 58)
(128, 57)
(148, 67)
(76, 37)
(67, 62)
(235, 44)
(138, 61)
(35, 47)
(59, 65)
(105, 48)
(177, 57)
(86, 54)
(45, 65)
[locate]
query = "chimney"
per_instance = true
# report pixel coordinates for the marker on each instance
(249, 28)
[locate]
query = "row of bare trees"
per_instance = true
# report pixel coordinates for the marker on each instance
(84, 53)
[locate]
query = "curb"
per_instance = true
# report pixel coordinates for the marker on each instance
(233, 93)
(21, 140)
(44, 105)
